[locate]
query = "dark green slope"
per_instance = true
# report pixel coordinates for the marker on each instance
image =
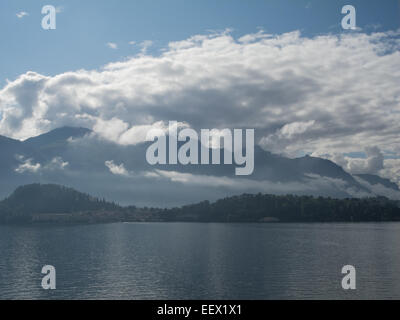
(36, 199)
(55, 203)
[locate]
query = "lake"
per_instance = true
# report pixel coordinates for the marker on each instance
(201, 261)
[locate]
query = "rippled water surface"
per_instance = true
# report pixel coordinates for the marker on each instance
(201, 261)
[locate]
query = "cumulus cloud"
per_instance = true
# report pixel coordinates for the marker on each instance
(27, 165)
(326, 94)
(117, 169)
(283, 140)
(391, 170)
(56, 163)
(372, 163)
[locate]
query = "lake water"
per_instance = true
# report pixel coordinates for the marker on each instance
(201, 261)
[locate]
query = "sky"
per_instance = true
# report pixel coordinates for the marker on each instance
(284, 68)
(85, 27)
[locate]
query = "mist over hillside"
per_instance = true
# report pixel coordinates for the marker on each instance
(81, 159)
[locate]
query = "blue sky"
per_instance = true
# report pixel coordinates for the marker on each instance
(85, 27)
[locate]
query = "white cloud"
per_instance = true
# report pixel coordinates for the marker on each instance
(112, 45)
(278, 84)
(380, 190)
(252, 37)
(372, 163)
(28, 166)
(203, 180)
(145, 45)
(120, 132)
(296, 128)
(117, 169)
(391, 170)
(282, 141)
(314, 184)
(57, 163)
(22, 14)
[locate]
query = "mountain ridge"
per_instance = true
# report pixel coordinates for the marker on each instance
(39, 203)
(52, 158)
(57, 135)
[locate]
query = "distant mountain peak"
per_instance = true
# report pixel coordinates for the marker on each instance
(7, 140)
(57, 135)
(65, 131)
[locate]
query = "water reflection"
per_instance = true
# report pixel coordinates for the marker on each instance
(200, 261)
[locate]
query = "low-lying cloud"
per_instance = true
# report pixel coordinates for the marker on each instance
(30, 166)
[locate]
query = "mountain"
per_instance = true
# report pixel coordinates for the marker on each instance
(51, 198)
(287, 208)
(56, 136)
(40, 148)
(36, 199)
(72, 156)
(374, 180)
(38, 203)
(278, 168)
(9, 148)
(53, 143)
